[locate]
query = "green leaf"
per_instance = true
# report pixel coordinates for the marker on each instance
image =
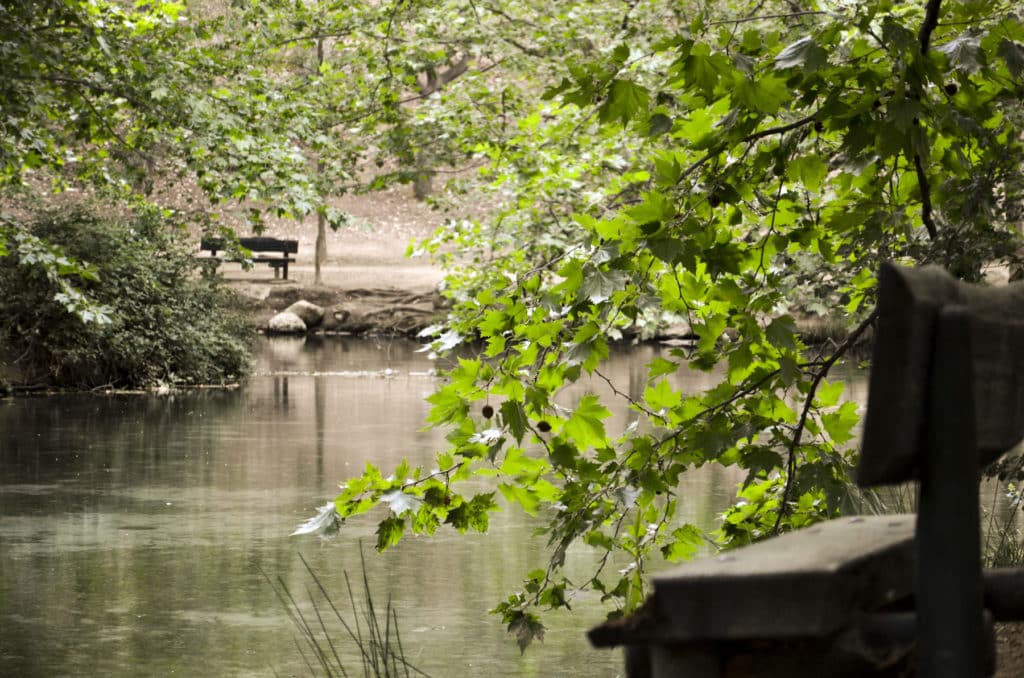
(662, 396)
(781, 332)
(964, 52)
(659, 124)
(448, 405)
(839, 424)
(625, 100)
(828, 393)
(477, 510)
(809, 170)
(903, 112)
(655, 208)
(517, 494)
(687, 541)
(766, 94)
(389, 532)
(599, 285)
(563, 455)
(513, 415)
(526, 628)
(758, 458)
(585, 426)
(1012, 53)
(704, 70)
(659, 367)
(599, 539)
(805, 53)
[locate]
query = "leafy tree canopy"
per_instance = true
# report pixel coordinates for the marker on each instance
(649, 162)
(724, 169)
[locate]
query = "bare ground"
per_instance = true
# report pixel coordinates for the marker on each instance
(368, 284)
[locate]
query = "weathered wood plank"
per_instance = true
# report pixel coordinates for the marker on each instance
(254, 244)
(909, 300)
(811, 582)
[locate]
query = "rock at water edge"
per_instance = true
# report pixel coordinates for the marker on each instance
(286, 322)
(310, 313)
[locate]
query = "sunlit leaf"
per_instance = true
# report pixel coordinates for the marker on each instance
(963, 52)
(401, 502)
(389, 532)
(585, 425)
(325, 523)
(804, 53)
(599, 285)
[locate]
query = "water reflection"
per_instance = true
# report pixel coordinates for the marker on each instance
(136, 530)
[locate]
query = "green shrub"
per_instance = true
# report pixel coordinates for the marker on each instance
(148, 317)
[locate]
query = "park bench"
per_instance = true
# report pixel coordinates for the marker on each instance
(260, 249)
(871, 595)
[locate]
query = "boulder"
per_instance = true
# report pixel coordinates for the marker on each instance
(310, 313)
(286, 322)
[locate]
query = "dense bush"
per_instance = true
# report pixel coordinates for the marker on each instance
(145, 317)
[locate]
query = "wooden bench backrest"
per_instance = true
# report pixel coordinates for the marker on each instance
(255, 244)
(909, 303)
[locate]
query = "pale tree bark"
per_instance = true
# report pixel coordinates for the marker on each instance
(321, 247)
(321, 221)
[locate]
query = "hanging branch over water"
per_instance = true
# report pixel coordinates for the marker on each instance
(843, 348)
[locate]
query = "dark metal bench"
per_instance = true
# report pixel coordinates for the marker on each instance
(257, 248)
(874, 595)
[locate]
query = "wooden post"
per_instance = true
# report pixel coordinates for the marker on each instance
(948, 564)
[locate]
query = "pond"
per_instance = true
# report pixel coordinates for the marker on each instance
(138, 533)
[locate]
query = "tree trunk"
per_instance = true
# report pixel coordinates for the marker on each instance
(321, 248)
(423, 182)
(321, 221)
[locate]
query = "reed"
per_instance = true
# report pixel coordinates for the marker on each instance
(322, 629)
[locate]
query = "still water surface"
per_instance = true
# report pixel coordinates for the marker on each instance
(135, 531)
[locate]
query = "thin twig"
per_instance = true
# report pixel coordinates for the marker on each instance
(931, 20)
(786, 15)
(926, 198)
(782, 129)
(805, 413)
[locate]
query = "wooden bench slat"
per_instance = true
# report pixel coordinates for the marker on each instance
(810, 582)
(946, 396)
(255, 245)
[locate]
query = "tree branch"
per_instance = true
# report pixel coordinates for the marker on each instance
(785, 15)
(926, 198)
(782, 129)
(931, 20)
(805, 413)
